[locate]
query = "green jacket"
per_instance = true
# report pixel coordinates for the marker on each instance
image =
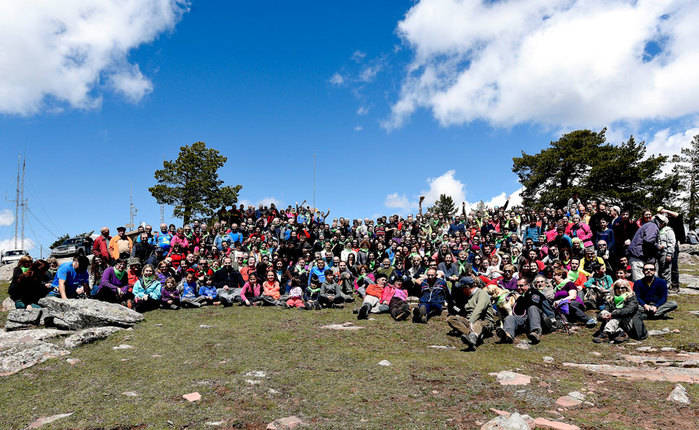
(478, 307)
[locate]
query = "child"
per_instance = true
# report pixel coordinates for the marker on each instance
(270, 290)
(295, 299)
(146, 290)
(207, 292)
(372, 298)
(598, 287)
(312, 293)
(251, 294)
(330, 294)
(188, 291)
(169, 296)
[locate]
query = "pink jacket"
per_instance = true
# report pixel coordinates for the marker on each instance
(582, 232)
(253, 291)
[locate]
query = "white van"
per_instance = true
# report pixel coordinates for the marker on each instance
(12, 256)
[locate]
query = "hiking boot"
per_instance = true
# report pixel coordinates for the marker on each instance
(422, 314)
(600, 338)
(470, 339)
(363, 312)
(339, 306)
(591, 323)
(503, 335)
(534, 337)
(402, 315)
(621, 338)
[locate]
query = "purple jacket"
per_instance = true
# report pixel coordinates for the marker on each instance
(110, 280)
(166, 295)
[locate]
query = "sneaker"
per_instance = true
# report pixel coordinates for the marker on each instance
(363, 312)
(470, 339)
(503, 335)
(339, 306)
(422, 312)
(591, 323)
(621, 338)
(402, 315)
(534, 337)
(601, 338)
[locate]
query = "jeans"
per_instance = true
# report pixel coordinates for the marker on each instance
(662, 310)
(531, 322)
(675, 273)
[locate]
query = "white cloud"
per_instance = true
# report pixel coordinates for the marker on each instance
(358, 56)
(362, 110)
(6, 217)
(8, 244)
(358, 128)
(449, 185)
(399, 201)
(670, 144)
(264, 202)
(337, 79)
(67, 52)
(369, 73)
(552, 62)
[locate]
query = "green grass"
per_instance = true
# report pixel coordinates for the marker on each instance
(330, 378)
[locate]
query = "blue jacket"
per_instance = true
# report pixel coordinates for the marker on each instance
(435, 292)
(654, 294)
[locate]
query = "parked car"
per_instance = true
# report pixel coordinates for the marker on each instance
(12, 256)
(79, 245)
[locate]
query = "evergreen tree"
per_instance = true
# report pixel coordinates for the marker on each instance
(191, 183)
(583, 161)
(687, 170)
(445, 206)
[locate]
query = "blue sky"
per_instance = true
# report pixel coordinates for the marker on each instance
(389, 102)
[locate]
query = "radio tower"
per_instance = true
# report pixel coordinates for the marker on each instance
(23, 202)
(162, 214)
(132, 210)
(20, 202)
(17, 201)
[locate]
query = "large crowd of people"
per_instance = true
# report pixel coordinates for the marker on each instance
(503, 271)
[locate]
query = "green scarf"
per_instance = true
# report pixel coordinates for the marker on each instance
(24, 269)
(619, 301)
(147, 282)
(120, 274)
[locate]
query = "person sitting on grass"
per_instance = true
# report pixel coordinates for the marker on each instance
(114, 284)
(146, 291)
(567, 301)
(621, 318)
(188, 291)
(207, 291)
(295, 299)
(433, 293)
(71, 280)
(651, 293)
(330, 292)
(531, 313)
(31, 286)
(397, 298)
(371, 303)
(313, 292)
(169, 296)
(252, 291)
(476, 320)
(598, 287)
(271, 290)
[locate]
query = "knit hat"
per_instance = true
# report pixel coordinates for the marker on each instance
(133, 261)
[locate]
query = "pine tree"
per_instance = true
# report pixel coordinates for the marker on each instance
(688, 169)
(445, 206)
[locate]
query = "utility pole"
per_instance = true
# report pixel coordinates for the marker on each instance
(132, 211)
(23, 201)
(17, 202)
(314, 182)
(162, 214)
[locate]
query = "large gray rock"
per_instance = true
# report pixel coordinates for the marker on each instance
(25, 316)
(76, 314)
(679, 395)
(26, 352)
(89, 335)
(514, 421)
(689, 249)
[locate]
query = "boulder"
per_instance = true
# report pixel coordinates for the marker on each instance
(28, 317)
(511, 378)
(89, 335)
(689, 249)
(543, 423)
(26, 352)
(76, 314)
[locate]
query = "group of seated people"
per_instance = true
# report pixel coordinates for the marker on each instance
(499, 272)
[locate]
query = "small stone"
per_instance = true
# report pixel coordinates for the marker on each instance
(272, 391)
(158, 325)
(204, 326)
(577, 395)
(500, 413)
(252, 381)
(662, 332)
(287, 423)
(435, 392)
(192, 397)
(675, 330)
(344, 326)
(568, 402)
(544, 384)
(256, 374)
(72, 361)
(215, 423)
(441, 347)
(646, 349)
(46, 420)
(543, 423)
(514, 421)
(523, 345)
(596, 354)
(124, 359)
(668, 349)
(679, 395)
(511, 378)
(156, 356)
(122, 346)
(129, 394)
(590, 404)
(548, 359)
(7, 305)
(384, 363)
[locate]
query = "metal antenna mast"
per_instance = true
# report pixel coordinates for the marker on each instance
(162, 214)
(314, 182)
(132, 210)
(23, 202)
(17, 201)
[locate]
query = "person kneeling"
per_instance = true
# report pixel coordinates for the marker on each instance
(477, 319)
(622, 317)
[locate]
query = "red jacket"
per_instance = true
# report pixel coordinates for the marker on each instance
(100, 247)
